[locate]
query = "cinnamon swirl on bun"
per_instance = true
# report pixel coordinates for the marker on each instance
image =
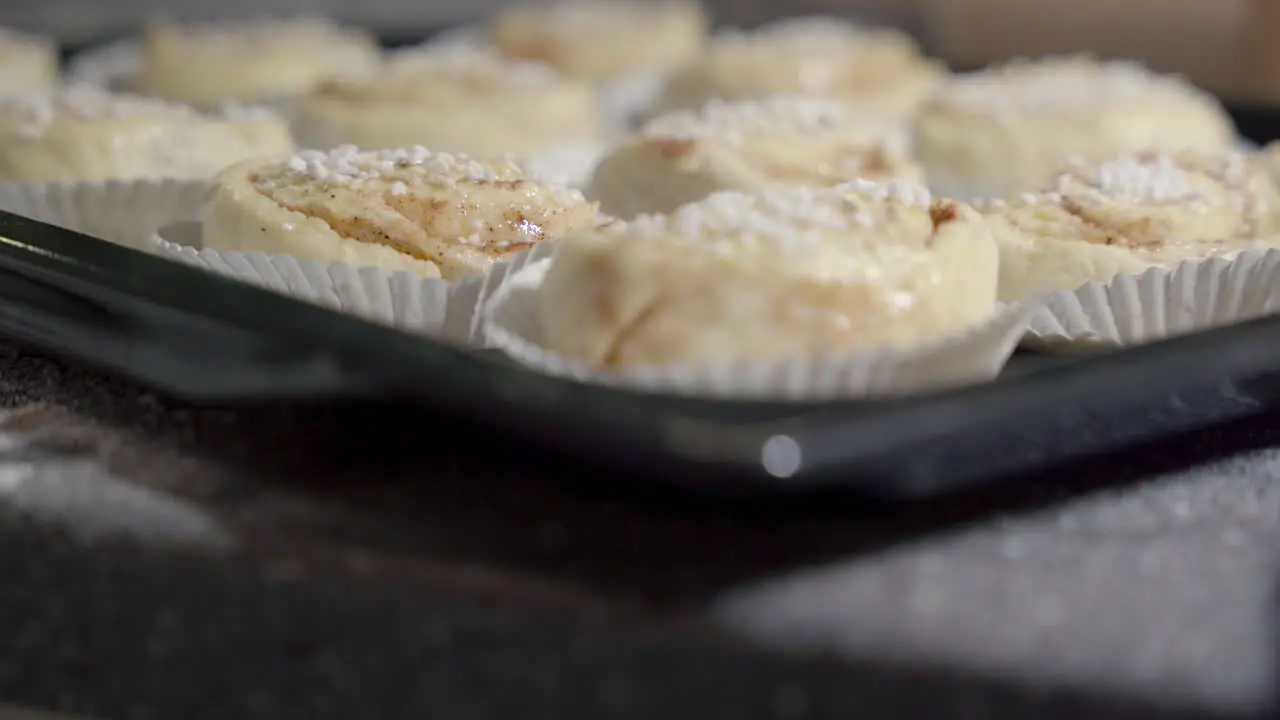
(752, 145)
(1131, 213)
(768, 275)
(434, 214)
(1011, 128)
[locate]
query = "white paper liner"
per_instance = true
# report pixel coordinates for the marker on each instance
(570, 164)
(123, 212)
(1159, 303)
(112, 66)
(510, 323)
(445, 310)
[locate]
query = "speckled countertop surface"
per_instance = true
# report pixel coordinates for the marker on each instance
(161, 561)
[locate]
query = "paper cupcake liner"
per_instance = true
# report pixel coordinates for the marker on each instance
(445, 310)
(510, 323)
(1159, 303)
(112, 66)
(124, 212)
(570, 164)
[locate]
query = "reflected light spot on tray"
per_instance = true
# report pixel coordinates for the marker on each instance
(781, 456)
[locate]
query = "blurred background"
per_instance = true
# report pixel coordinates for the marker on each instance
(1224, 45)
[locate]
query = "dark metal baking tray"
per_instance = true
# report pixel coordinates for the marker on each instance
(207, 339)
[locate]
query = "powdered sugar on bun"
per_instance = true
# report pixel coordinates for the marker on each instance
(761, 276)
(89, 133)
(773, 143)
(453, 97)
(879, 72)
(436, 214)
(1130, 213)
(1009, 129)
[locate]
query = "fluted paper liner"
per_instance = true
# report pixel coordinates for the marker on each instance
(431, 306)
(1159, 303)
(122, 211)
(510, 323)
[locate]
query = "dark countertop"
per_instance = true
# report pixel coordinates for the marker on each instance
(166, 561)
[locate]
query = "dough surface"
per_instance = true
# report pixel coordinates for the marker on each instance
(433, 214)
(770, 275)
(753, 145)
(27, 62)
(880, 73)
(599, 39)
(208, 64)
(91, 134)
(1131, 213)
(1011, 128)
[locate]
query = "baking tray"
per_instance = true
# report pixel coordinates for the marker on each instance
(207, 339)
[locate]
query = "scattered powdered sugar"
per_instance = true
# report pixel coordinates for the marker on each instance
(1131, 179)
(734, 121)
(1058, 83)
(236, 112)
(791, 220)
(1154, 178)
(469, 61)
(347, 164)
(32, 112)
(899, 191)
